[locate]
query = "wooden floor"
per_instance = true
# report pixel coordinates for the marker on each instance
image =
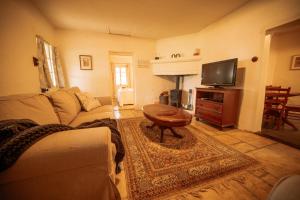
(285, 134)
(277, 159)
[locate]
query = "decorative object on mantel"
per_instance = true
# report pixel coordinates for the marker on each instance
(176, 66)
(254, 59)
(177, 55)
(295, 62)
(85, 62)
(197, 52)
(156, 58)
(175, 60)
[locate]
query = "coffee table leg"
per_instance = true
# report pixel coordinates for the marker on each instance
(174, 133)
(151, 126)
(162, 134)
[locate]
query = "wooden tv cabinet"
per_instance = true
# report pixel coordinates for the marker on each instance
(218, 106)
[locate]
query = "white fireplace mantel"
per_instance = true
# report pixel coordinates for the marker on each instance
(176, 66)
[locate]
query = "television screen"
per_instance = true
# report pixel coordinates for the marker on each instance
(221, 73)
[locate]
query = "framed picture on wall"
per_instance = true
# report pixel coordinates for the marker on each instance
(295, 62)
(85, 62)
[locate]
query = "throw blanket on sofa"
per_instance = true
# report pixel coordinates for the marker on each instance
(17, 135)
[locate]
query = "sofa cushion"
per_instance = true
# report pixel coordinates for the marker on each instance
(72, 92)
(100, 109)
(87, 101)
(101, 112)
(31, 106)
(64, 106)
(106, 100)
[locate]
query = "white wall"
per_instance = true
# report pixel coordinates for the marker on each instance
(20, 22)
(240, 34)
(99, 81)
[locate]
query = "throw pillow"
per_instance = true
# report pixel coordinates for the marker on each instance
(72, 92)
(87, 101)
(64, 105)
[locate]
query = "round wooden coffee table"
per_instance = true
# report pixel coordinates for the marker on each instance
(166, 117)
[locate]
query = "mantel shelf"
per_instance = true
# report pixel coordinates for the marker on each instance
(176, 60)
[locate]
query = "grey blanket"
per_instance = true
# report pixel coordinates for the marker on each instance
(17, 135)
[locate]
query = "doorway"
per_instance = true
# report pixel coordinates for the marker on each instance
(122, 78)
(281, 117)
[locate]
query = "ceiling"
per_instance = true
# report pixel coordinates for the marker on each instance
(140, 18)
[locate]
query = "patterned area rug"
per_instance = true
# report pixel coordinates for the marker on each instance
(155, 169)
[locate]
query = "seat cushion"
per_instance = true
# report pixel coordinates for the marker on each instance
(64, 105)
(101, 112)
(105, 108)
(30, 106)
(84, 117)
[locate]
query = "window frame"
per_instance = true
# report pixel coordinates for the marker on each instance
(122, 65)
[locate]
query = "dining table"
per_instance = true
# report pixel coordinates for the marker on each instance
(276, 94)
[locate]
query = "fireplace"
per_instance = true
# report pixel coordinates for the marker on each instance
(175, 97)
(176, 94)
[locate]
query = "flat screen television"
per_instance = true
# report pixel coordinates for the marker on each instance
(221, 73)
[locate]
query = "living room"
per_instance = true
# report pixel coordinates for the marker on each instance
(153, 33)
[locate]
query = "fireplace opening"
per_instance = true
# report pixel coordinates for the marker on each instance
(176, 94)
(178, 97)
(175, 98)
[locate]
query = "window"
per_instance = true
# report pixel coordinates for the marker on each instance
(50, 60)
(121, 75)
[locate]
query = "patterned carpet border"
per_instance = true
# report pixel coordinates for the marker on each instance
(155, 170)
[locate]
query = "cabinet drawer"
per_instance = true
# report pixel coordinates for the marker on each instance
(211, 118)
(215, 115)
(207, 105)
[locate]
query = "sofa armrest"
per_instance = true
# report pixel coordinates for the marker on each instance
(105, 100)
(57, 165)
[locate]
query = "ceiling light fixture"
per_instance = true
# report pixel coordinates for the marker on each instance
(115, 33)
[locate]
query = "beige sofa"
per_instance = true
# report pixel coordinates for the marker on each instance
(76, 164)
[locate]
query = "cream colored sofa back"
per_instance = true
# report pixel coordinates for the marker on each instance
(36, 107)
(65, 104)
(60, 106)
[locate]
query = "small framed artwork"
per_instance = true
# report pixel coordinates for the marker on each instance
(295, 62)
(85, 62)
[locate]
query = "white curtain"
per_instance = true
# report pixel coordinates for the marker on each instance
(50, 69)
(44, 74)
(58, 68)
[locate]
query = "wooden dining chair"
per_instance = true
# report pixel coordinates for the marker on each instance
(271, 87)
(292, 112)
(276, 98)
